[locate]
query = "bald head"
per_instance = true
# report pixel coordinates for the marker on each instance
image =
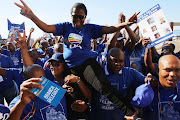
(169, 71)
(33, 71)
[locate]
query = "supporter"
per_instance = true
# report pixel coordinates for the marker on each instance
(7, 86)
(58, 47)
(45, 51)
(26, 105)
(14, 54)
(117, 40)
(138, 54)
(29, 38)
(151, 66)
(12, 39)
(50, 42)
(125, 79)
(77, 53)
(166, 102)
(35, 57)
(77, 107)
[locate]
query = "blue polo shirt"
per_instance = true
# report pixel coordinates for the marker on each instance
(127, 78)
(15, 57)
(77, 41)
(5, 62)
(153, 111)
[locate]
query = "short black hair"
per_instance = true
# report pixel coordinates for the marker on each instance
(30, 70)
(79, 6)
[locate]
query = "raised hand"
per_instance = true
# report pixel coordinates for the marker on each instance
(26, 87)
(133, 19)
(25, 10)
(31, 30)
(121, 18)
(21, 40)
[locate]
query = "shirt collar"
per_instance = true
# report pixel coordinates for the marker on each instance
(107, 72)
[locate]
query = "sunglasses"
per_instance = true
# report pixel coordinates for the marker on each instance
(54, 65)
(78, 16)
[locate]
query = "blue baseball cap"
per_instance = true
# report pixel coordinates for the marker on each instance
(57, 57)
(143, 96)
(4, 112)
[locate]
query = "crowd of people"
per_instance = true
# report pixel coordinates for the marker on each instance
(105, 78)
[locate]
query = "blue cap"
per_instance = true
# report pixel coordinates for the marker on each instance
(4, 112)
(143, 96)
(57, 57)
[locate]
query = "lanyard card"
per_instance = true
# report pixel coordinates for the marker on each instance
(51, 93)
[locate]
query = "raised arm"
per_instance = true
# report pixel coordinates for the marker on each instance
(29, 37)
(148, 60)
(25, 97)
(131, 34)
(115, 28)
(23, 46)
(27, 12)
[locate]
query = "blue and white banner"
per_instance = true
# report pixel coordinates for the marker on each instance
(154, 25)
(13, 27)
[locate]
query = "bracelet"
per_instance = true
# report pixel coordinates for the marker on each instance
(78, 81)
(127, 24)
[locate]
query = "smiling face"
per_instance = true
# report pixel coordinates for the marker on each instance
(169, 71)
(115, 60)
(56, 68)
(78, 17)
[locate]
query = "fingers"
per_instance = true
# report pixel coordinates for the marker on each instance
(138, 13)
(24, 3)
(18, 33)
(24, 33)
(18, 5)
(32, 83)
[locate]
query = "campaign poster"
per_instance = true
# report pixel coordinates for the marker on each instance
(154, 25)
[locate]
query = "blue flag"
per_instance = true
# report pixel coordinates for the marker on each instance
(13, 27)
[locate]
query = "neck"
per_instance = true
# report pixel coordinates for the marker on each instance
(59, 78)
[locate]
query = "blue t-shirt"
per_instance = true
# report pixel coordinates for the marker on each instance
(15, 57)
(77, 41)
(4, 112)
(152, 112)
(15, 74)
(44, 111)
(40, 62)
(127, 78)
(5, 62)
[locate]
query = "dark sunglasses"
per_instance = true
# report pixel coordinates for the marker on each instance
(54, 65)
(78, 16)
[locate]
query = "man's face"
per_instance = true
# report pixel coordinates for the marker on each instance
(78, 17)
(169, 72)
(56, 68)
(10, 46)
(116, 62)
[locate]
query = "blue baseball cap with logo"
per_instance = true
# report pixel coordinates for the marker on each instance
(143, 96)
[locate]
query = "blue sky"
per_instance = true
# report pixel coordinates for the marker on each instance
(103, 12)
